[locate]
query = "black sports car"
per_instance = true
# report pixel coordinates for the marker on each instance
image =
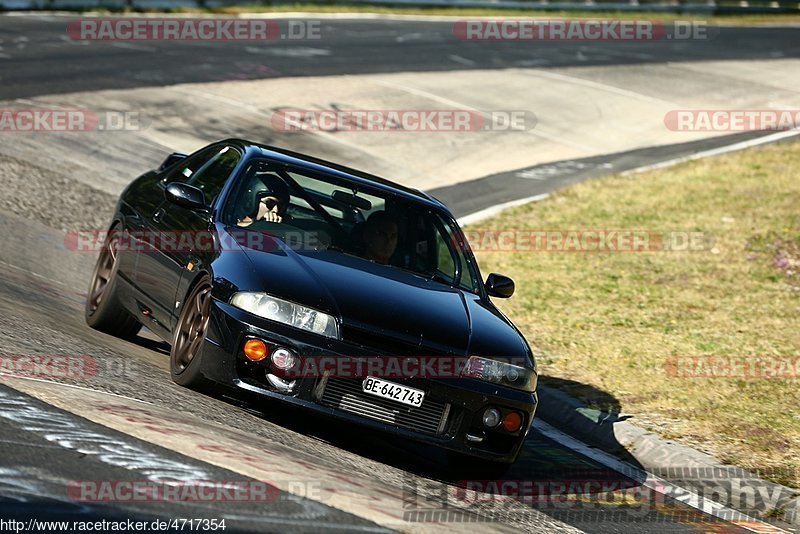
(321, 286)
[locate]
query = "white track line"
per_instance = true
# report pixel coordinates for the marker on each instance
(494, 210)
(658, 484)
(573, 80)
(716, 151)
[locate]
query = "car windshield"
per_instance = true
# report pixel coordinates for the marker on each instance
(314, 213)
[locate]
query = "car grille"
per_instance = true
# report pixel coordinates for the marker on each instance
(346, 395)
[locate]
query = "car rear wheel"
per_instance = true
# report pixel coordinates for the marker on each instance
(189, 337)
(103, 310)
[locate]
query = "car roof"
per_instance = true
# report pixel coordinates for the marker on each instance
(313, 164)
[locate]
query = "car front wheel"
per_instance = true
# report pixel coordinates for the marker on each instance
(189, 337)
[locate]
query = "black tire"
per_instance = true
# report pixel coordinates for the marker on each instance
(463, 466)
(103, 310)
(188, 339)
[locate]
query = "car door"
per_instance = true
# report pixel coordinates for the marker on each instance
(144, 196)
(180, 233)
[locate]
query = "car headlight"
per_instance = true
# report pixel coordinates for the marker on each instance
(286, 312)
(503, 373)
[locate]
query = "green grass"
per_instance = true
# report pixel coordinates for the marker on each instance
(610, 321)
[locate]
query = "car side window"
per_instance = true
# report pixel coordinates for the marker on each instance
(451, 259)
(208, 171)
(188, 167)
(445, 263)
(438, 252)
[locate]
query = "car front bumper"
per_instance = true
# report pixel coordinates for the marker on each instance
(450, 416)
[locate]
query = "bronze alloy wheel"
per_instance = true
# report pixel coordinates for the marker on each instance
(104, 273)
(189, 336)
(103, 310)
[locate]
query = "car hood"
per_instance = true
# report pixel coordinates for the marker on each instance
(386, 308)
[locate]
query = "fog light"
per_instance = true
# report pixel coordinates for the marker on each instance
(491, 417)
(512, 421)
(255, 350)
(283, 359)
(280, 384)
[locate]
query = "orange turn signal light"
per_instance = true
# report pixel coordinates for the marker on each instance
(255, 349)
(512, 421)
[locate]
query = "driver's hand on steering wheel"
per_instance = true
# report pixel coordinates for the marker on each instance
(271, 216)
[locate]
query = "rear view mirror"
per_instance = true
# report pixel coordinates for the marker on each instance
(352, 200)
(500, 286)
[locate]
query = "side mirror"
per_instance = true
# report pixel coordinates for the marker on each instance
(185, 195)
(500, 286)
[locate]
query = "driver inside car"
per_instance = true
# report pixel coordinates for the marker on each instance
(380, 237)
(271, 204)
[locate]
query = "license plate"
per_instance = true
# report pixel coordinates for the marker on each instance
(395, 392)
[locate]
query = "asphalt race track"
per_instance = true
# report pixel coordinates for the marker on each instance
(127, 422)
(50, 62)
